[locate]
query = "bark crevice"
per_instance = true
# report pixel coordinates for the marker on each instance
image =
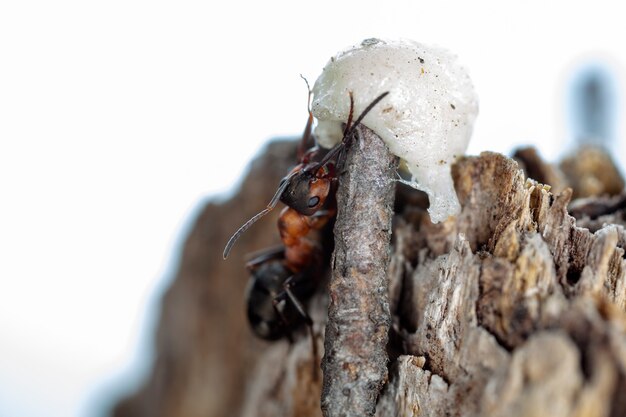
(515, 307)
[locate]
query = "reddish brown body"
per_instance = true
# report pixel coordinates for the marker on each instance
(297, 230)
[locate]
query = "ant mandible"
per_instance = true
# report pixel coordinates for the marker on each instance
(282, 278)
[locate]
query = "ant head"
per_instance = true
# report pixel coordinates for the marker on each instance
(306, 191)
(301, 190)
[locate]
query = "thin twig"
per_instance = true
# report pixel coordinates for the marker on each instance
(355, 360)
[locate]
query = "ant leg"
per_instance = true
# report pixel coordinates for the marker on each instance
(330, 155)
(260, 257)
(309, 154)
(349, 140)
(320, 218)
(350, 115)
(341, 162)
(275, 303)
(297, 304)
(309, 322)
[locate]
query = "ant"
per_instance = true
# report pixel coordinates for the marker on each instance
(281, 278)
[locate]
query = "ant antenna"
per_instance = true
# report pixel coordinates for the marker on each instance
(349, 123)
(369, 108)
(306, 136)
(308, 87)
(335, 150)
(281, 189)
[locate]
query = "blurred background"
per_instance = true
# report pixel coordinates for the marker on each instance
(120, 119)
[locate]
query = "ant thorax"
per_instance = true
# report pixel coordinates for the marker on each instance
(426, 119)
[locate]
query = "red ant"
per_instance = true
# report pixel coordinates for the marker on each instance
(281, 278)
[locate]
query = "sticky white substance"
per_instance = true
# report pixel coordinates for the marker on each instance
(426, 119)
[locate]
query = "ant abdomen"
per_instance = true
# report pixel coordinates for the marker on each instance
(273, 293)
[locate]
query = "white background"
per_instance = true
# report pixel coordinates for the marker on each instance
(119, 118)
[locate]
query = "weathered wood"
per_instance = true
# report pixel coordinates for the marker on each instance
(355, 359)
(591, 172)
(204, 352)
(524, 316)
(516, 307)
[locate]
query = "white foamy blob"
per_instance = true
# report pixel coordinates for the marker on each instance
(426, 119)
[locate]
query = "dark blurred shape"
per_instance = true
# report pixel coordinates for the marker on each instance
(594, 212)
(592, 172)
(593, 108)
(204, 348)
(593, 105)
(589, 171)
(540, 170)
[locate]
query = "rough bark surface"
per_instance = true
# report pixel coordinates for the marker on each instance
(355, 360)
(516, 307)
(205, 353)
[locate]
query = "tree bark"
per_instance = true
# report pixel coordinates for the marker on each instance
(516, 307)
(355, 362)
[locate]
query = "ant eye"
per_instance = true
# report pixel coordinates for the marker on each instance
(313, 201)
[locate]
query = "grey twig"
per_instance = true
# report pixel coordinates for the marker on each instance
(355, 360)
